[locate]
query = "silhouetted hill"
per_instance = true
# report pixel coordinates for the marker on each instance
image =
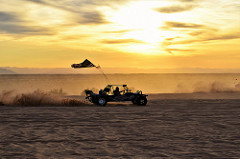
(5, 71)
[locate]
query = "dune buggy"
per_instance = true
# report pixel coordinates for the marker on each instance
(116, 93)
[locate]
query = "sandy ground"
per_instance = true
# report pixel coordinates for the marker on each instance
(170, 126)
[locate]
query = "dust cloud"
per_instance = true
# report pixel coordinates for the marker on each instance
(212, 87)
(38, 98)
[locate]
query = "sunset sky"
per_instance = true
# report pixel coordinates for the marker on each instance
(159, 34)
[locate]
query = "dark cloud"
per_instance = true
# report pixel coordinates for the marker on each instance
(92, 18)
(187, 27)
(175, 9)
(197, 33)
(80, 3)
(37, 1)
(8, 17)
(20, 29)
(60, 5)
(171, 50)
(168, 42)
(167, 45)
(121, 41)
(98, 2)
(11, 23)
(224, 37)
(211, 38)
(169, 24)
(84, 10)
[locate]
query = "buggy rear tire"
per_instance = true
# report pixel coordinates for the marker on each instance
(141, 101)
(102, 101)
(134, 101)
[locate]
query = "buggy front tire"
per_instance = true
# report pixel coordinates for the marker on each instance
(102, 101)
(141, 101)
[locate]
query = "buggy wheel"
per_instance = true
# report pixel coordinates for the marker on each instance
(102, 101)
(141, 101)
(134, 101)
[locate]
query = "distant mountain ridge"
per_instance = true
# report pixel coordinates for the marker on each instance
(108, 70)
(6, 71)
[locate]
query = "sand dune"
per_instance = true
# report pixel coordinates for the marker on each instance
(171, 126)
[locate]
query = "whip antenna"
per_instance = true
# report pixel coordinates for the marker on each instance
(105, 76)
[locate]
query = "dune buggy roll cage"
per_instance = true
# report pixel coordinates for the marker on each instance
(109, 89)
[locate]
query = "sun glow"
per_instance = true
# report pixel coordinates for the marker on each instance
(143, 23)
(136, 16)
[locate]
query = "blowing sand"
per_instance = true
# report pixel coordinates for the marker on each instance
(198, 125)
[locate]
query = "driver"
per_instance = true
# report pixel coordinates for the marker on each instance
(116, 92)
